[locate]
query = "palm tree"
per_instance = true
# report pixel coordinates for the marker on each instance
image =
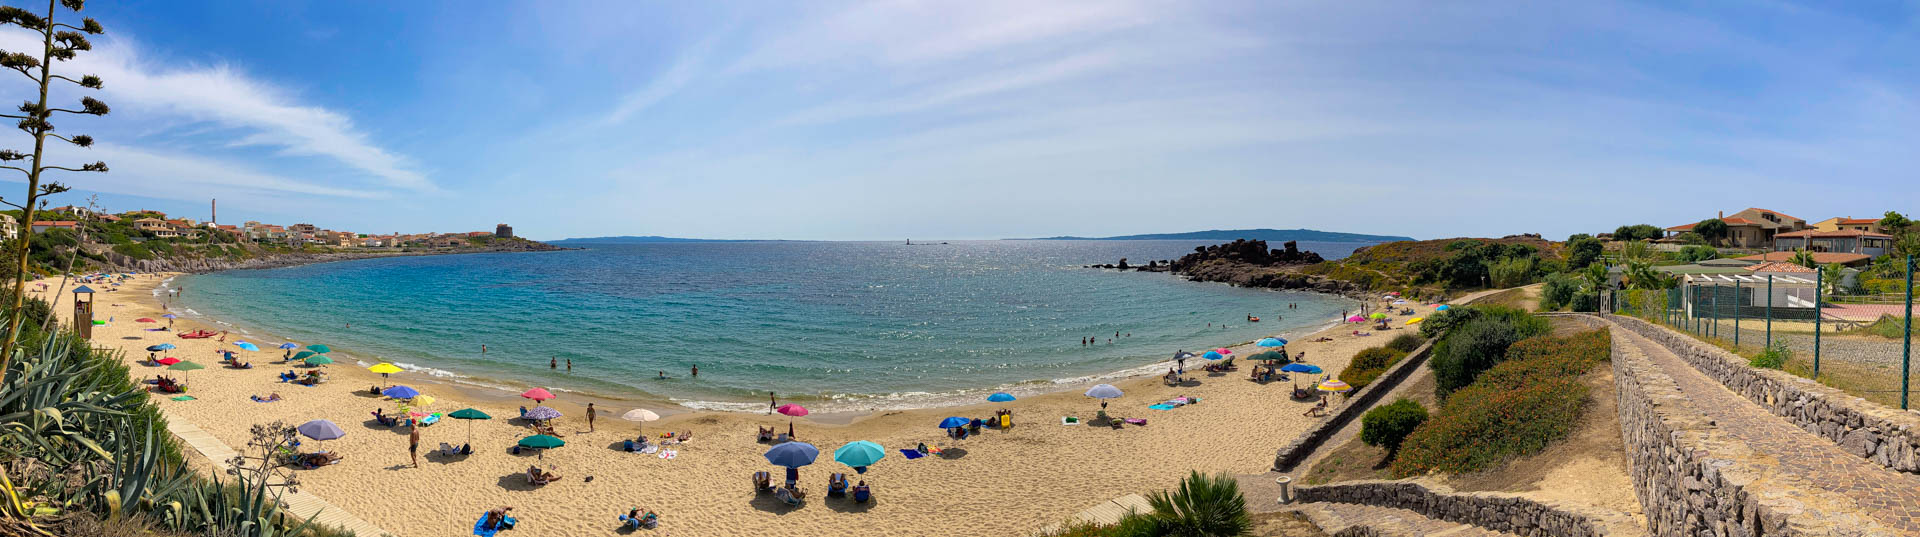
(1804, 258)
(1205, 506)
(1641, 275)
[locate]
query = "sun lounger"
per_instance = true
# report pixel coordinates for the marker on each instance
(861, 494)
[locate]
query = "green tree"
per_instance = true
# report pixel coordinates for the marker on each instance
(1388, 425)
(1638, 232)
(1642, 275)
(1690, 237)
(1895, 223)
(1830, 276)
(1583, 250)
(1558, 291)
(1696, 254)
(1804, 258)
(1713, 230)
(1204, 506)
(61, 42)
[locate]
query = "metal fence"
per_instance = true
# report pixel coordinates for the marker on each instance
(1869, 358)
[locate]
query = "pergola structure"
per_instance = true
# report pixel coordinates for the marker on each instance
(1731, 295)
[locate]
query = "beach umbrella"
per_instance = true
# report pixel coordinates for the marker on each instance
(184, 365)
(1103, 391)
(1393, 293)
(289, 346)
(542, 413)
(641, 416)
(321, 430)
(319, 348)
(145, 320)
(400, 392)
(1443, 307)
(1211, 355)
(1356, 319)
(1223, 350)
(791, 410)
(167, 361)
(302, 355)
(318, 360)
(538, 395)
(385, 369)
(953, 421)
(469, 415)
(1301, 368)
(170, 316)
(1000, 397)
(859, 454)
(1416, 320)
(541, 442)
(160, 347)
(247, 346)
(422, 400)
(1377, 316)
(1271, 342)
(1334, 386)
(792, 454)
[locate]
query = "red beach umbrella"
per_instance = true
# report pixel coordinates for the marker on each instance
(794, 410)
(538, 395)
(145, 320)
(167, 361)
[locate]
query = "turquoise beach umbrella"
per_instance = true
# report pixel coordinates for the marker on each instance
(541, 441)
(247, 346)
(859, 454)
(318, 360)
(1000, 397)
(302, 355)
(319, 348)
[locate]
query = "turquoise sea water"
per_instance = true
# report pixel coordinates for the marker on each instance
(866, 324)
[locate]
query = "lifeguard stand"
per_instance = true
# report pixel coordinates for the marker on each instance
(83, 311)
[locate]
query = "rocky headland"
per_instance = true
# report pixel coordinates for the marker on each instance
(1247, 263)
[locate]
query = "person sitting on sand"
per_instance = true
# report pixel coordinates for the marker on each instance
(922, 448)
(495, 518)
(766, 434)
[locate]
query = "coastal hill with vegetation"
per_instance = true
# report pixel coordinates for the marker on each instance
(1415, 268)
(1263, 234)
(79, 240)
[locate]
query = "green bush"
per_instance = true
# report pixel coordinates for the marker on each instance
(133, 250)
(1558, 291)
(1696, 254)
(1514, 409)
(1774, 357)
(1388, 425)
(1479, 344)
(1376, 358)
(1405, 342)
(1511, 272)
(1582, 250)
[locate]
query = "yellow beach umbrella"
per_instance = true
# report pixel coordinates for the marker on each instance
(423, 400)
(1334, 386)
(385, 368)
(1416, 320)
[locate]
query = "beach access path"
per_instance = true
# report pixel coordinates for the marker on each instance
(300, 504)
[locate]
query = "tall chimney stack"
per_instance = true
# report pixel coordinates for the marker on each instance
(216, 213)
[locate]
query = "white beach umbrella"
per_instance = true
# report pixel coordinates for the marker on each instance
(640, 415)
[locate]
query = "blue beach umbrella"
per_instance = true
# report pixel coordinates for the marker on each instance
(289, 346)
(160, 347)
(247, 346)
(1443, 307)
(321, 430)
(1271, 342)
(953, 421)
(859, 454)
(170, 316)
(400, 392)
(1000, 397)
(1301, 368)
(792, 454)
(1103, 391)
(1210, 355)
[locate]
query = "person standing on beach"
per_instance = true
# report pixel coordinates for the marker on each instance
(771, 402)
(589, 417)
(413, 444)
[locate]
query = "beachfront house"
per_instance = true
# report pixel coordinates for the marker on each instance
(1869, 225)
(41, 226)
(8, 226)
(1852, 241)
(1751, 228)
(71, 210)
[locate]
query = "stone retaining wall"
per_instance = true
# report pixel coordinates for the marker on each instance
(1693, 480)
(1363, 399)
(1889, 437)
(1491, 510)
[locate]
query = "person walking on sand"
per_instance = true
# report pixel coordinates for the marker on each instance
(771, 402)
(413, 444)
(589, 417)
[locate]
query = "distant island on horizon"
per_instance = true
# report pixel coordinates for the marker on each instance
(644, 239)
(1269, 235)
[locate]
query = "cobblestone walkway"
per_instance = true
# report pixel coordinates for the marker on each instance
(1891, 497)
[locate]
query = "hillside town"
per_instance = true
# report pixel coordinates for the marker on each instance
(145, 224)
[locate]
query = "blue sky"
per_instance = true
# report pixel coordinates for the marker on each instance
(829, 120)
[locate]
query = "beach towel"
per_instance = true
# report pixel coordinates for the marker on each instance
(911, 454)
(478, 528)
(1162, 406)
(669, 454)
(184, 398)
(1069, 420)
(650, 449)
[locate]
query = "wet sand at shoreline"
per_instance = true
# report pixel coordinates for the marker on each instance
(1008, 482)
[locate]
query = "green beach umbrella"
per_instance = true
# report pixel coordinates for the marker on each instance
(319, 348)
(318, 360)
(304, 355)
(184, 365)
(469, 414)
(541, 442)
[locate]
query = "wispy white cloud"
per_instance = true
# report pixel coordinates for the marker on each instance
(256, 113)
(184, 175)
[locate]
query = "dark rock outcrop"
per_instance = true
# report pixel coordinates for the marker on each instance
(1247, 263)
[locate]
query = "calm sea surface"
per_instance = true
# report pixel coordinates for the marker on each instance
(862, 323)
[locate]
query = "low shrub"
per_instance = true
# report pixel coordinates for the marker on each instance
(1388, 425)
(1479, 344)
(1515, 408)
(1368, 365)
(1558, 291)
(1773, 357)
(1405, 342)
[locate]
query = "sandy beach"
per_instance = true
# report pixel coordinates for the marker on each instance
(1001, 482)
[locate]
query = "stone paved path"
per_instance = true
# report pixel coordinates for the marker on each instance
(1891, 497)
(1333, 517)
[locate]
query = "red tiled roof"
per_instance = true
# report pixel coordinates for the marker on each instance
(1778, 266)
(1859, 221)
(1682, 227)
(1737, 221)
(1844, 233)
(1781, 214)
(1818, 257)
(55, 223)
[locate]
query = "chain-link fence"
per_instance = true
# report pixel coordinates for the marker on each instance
(1861, 346)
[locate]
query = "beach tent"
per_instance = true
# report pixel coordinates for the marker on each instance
(641, 416)
(859, 454)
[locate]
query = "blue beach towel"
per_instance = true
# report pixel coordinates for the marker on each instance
(1161, 406)
(911, 454)
(483, 532)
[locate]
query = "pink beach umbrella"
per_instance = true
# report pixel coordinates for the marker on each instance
(538, 395)
(1223, 350)
(793, 410)
(1356, 319)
